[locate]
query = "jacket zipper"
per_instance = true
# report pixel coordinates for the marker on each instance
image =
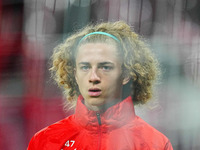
(99, 129)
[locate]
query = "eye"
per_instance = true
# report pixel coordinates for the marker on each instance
(106, 68)
(84, 68)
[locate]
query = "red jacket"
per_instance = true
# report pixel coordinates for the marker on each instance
(118, 128)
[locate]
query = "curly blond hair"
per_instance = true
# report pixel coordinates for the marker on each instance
(139, 62)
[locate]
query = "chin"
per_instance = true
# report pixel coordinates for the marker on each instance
(96, 101)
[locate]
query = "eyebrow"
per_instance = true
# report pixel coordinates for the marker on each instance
(83, 63)
(101, 63)
(106, 63)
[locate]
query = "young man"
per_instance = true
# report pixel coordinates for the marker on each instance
(105, 70)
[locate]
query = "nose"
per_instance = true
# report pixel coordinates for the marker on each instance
(94, 77)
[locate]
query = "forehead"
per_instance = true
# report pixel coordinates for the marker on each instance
(97, 52)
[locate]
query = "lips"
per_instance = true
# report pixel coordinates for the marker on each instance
(94, 92)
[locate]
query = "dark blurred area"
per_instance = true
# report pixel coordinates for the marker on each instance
(30, 29)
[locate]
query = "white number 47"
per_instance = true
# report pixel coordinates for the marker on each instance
(69, 143)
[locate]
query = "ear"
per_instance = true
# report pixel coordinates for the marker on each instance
(125, 76)
(75, 74)
(126, 79)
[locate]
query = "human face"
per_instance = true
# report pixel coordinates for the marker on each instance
(99, 76)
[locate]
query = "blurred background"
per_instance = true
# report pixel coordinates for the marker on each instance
(30, 29)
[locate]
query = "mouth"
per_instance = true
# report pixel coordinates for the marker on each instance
(94, 92)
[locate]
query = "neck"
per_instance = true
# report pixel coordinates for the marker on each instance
(103, 107)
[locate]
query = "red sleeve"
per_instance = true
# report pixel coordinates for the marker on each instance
(168, 146)
(31, 145)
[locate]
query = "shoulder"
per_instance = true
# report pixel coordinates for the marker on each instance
(54, 134)
(57, 128)
(151, 136)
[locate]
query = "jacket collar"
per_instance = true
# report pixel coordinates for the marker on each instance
(114, 117)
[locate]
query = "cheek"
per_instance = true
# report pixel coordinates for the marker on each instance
(80, 79)
(116, 78)
(113, 82)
